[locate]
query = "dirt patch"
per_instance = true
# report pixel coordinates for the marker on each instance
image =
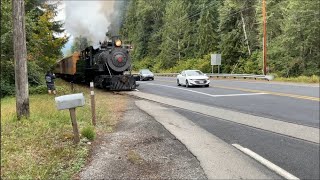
(141, 148)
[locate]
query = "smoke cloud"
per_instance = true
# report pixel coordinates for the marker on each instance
(92, 19)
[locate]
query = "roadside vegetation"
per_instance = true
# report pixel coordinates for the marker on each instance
(41, 147)
(299, 79)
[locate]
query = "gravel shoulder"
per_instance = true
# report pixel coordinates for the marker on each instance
(141, 148)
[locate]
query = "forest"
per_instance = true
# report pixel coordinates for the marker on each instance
(171, 35)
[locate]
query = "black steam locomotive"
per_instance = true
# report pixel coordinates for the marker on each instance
(108, 66)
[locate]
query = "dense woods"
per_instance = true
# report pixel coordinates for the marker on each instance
(43, 43)
(170, 35)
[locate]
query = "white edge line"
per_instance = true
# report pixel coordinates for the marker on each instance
(265, 162)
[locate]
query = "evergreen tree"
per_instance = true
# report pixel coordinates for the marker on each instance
(176, 33)
(238, 32)
(301, 37)
(207, 37)
(232, 44)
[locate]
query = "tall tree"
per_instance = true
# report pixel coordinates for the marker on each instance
(301, 37)
(234, 15)
(176, 33)
(20, 56)
(207, 36)
(231, 45)
(156, 23)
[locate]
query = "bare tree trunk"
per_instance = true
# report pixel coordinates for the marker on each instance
(179, 49)
(20, 57)
(245, 33)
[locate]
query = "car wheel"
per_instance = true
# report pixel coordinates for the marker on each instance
(206, 85)
(178, 83)
(152, 79)
(187, 84)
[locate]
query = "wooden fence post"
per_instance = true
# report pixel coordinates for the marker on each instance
(74, 125)
(93, 104)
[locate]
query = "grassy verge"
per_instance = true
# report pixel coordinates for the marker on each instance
(41, 147)
(300, 79)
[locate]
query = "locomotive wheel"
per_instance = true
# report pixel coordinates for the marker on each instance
(97, 82)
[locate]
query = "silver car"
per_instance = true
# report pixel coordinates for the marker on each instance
(146, 74)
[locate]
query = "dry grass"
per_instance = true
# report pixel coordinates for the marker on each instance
(300, 79)
(134, 157)
(41, 147)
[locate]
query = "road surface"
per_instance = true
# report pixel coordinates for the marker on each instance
(287, 105)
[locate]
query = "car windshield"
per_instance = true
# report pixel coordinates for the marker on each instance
(145, 71)
(194, 73)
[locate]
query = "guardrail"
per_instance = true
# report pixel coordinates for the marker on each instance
(241, 76)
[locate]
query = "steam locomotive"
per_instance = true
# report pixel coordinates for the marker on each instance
(108, 66)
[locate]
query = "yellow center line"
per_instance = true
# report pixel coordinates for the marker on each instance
(267, 92)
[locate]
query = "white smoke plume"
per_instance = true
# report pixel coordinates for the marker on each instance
(90, 19)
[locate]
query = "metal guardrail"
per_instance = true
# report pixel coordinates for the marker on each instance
(241, 76)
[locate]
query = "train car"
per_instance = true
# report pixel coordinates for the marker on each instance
(107, 65)
(66, 67)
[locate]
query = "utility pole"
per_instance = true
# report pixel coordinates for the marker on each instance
(20, 58)
(264, 37)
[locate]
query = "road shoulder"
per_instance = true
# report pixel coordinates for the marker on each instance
(141, 148)
(218, 159)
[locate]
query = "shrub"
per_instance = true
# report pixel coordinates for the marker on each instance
(63, 90)
(42, 89)
(6, 88)
(88, 132)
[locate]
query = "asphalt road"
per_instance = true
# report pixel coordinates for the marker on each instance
(298, 104)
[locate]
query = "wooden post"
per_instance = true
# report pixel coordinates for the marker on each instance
(264, 37)
(93, 104)
(76, 138)
(20, 57)
(72, 86)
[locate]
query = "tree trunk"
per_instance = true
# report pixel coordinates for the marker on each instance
(179, 49)
(20, 57)
(245, 34)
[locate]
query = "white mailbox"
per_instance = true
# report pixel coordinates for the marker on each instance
(70, 101)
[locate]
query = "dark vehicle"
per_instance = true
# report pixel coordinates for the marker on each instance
(146, 74)
(108, 66)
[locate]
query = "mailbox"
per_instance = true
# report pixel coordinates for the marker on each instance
(70, 101)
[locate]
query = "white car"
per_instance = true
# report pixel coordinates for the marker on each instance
(193, 78)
